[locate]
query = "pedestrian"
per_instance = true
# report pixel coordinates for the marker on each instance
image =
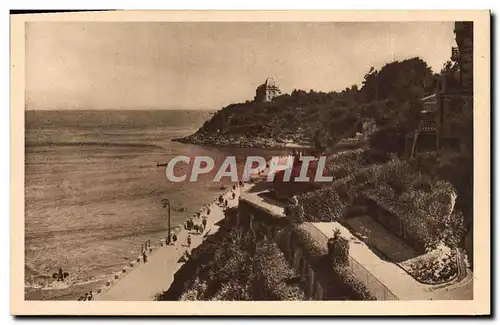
(225, 202)
(90, 295)
(189, 240)
(234, 186)
(234, 195)
(208, 211)
(144, 257)
(174, 238)
(204, 222)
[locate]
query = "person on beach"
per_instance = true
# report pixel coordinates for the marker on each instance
(144, 257)
(189, 240)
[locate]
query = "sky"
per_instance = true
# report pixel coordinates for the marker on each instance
(195, 65)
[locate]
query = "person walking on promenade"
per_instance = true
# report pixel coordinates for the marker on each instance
(189, 240)
(144, 257)
(225, 202)
(90, 295)
(204, 223)
(234, 195)
(174, 238)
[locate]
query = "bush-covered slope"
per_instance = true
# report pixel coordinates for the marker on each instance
(316, 118)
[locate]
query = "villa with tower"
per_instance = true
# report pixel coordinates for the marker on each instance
(267, 91)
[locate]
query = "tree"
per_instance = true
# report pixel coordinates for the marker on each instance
(319, 140)
(399, 80)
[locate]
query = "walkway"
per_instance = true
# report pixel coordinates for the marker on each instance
(375, 235)
(147, 279)
(400, 283)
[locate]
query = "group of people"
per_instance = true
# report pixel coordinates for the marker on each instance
(60, 276)
(197, 228)
(188, 225)
(88, 296)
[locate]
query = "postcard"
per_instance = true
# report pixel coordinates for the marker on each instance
(250, 163)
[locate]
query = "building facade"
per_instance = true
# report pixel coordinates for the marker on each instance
(267, 91)
(441, 126)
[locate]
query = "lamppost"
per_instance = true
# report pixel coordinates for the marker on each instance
(166, 204)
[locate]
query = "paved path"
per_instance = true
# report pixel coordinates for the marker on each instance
(392, 276)
(147, 279)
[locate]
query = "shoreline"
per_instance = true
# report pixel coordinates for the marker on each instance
(259, 143)
(99, 285)
(160, 242)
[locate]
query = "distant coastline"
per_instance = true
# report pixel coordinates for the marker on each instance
(239, 141)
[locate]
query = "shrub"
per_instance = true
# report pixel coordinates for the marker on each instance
(338, 249)
(349, 285)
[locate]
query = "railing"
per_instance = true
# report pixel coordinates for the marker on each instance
(427, 126)
(372, 284)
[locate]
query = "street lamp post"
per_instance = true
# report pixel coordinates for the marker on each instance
(166, 204)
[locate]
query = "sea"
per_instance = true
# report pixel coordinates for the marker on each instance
(93, 191)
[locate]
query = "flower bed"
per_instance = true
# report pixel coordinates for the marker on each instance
(436, 267)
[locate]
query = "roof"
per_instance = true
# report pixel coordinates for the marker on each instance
(264, 203)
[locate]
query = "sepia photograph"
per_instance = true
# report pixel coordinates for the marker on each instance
(274, 157)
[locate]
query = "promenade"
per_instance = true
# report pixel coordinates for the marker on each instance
(395, 279)
(145, 280)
